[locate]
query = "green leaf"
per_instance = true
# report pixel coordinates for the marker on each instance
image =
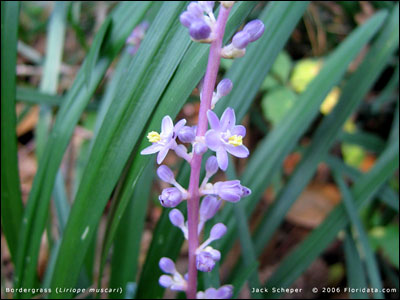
(277, 103)
(387, 194)
(362, 192)
(242, 279)
(124, 17)
(33, 96)
(248, 252)
(274, 148)
(351, 210)
(11, 202)
(354, 267)
(248, 73)
(282, 67)
(366, 140)
(128, 237)
(386, 239)
(146, 78)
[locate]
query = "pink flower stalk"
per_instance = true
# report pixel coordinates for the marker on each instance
(224, 137)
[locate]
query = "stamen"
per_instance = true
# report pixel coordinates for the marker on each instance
(154, 137)
(236, 140)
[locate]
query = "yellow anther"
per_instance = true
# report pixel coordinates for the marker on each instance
(236, 140)
(154, 137)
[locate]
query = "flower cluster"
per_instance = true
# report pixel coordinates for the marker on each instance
(222, 137)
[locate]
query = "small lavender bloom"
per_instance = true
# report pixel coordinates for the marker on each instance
(205, 261)
(224, 136)
(165, 281)
(224, 292)
(255, 29)
(167, 265)
(170, 197)
(164, 141)
(207, 6)
(187, 19)
(195, 9)
(187, 134)
(209, 207)
(199, 30)
(224, 87)
(231, 190)
(166, 174)
(241, 39)
(176, 218)
(217, 231)
(211, 166)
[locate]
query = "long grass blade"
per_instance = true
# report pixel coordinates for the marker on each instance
(371, 263)
(11, 202)
(362, 192)
(123, 17)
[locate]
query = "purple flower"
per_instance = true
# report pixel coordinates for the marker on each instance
(231, 190)
(187, 134)
(211, 166)
(255, 29)
(224, 292)
(241, 39)
(177, 219)
(206, 259)
(170, 197)
(224, 136)
(167, 265)
(209, 207)
(166, 174)
(164, 141)
(199, 30)
(207, 6)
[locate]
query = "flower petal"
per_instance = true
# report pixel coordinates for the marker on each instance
(167, 126)
(213, 120)
(162, 154)
(178, 126)
(222, 158)
(213, 139)
(151, 149)
(239, 130)
(238, 151)
(228, 119)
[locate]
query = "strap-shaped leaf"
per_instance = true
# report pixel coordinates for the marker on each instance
(363, 191)
(11, 203)
(138, 93)
(124, 17)
(353, 93)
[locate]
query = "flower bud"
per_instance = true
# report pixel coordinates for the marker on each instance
(187, 19)
(165, 281)
(176, 218)
(167, 265)
(224, 87)
(209, 207)
(165, 174)
(170, 197)
(195, 9)
(211, 166)
(207, 6)
(241, 39)
(187, 134)
(204, 261)
(231, 190)
(199, 30)
(255, 29)
(217, 231)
